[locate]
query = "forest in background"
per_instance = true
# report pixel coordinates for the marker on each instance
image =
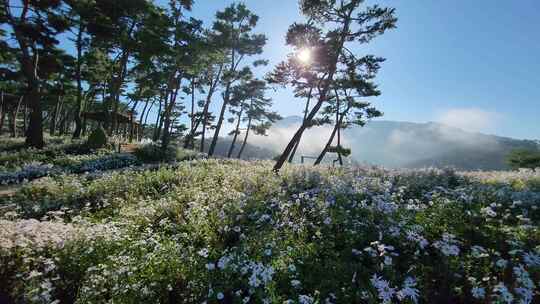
(132, 53)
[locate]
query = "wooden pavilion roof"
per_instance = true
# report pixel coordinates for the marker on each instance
(101, 115)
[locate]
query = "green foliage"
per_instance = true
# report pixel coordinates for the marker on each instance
(342, 78)
(212, 230)
(15, 155)
(339, 149)
(97, 139)
(524, 158)
(235, 37)
(152, 153)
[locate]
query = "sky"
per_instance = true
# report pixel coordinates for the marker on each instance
(469, 64)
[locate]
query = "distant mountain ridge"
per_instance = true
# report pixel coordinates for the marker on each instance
(401, 144)
(433, 144)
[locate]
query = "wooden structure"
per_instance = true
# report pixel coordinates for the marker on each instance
(127, 125)
(303, 158)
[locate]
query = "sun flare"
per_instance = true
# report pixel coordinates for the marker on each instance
(304, 55)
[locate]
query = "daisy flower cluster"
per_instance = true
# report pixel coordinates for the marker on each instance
(224, 231)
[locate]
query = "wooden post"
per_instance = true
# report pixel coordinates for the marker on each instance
(124, 131)
(131, 126)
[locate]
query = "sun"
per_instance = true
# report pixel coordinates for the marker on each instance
(304, 55)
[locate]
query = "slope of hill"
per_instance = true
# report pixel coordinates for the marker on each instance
(403, 144)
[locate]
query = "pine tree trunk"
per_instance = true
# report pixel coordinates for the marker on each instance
(340, 158)
(337, 127)
(118, 81)
(141, 119)
(143, 124)
(52, 120)
(203, 138)
(298, 134)
(2, 112)
(189, 140)
(59, 109)
(34, 134)
(2, 118)
(245, 139)
(159, 117)
(328, 144)
(291, 157)
(78, 106)
(12, 124)
(226, 98)
(162, 119)
(29, 66)
(205, 118)
(218, 129)
(322, 98)
(63, 122)
(207, 106)
(220, 120)
(86, 106)
(116, 87)
(167, 115)
(236, 131)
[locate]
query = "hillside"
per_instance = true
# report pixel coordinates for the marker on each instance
(404, 144)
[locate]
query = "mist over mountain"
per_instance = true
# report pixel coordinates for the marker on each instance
(251, 151)
(398, 144)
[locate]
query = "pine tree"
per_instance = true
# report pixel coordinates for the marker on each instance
(35, 27)
(346, 24)
(233, 30)
(259, 117)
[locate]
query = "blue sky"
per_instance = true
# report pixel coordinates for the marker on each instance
(471, 64)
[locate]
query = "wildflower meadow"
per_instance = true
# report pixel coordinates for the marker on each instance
(227, 231)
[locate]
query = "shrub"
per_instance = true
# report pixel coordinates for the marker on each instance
(184, 155)
(97, 139)
(28, 172)
(151, 153)
(523, 158)
(11, 144)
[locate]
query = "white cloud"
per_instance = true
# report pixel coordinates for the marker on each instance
(470, 119)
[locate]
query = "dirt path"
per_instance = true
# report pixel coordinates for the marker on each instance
(128, 148)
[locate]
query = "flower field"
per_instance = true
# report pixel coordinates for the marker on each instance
(64, 156)
(222, 231)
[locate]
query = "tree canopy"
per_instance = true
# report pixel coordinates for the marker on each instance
(140, 68)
